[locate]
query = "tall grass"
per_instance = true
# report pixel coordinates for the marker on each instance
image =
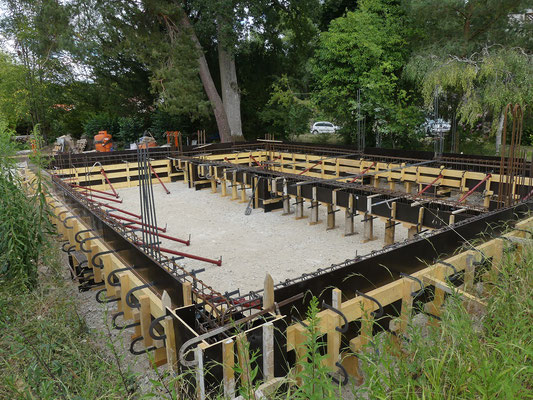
(24, 224)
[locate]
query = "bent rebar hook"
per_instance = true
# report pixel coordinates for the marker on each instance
(373, 313)
(138, 353)
(422, 288)
(107, 300)
(113, 274)
(151, 329)
(114, 322)
(129, 295)
(341, 329)
(86, 240)
(344, 375)
(76, 235)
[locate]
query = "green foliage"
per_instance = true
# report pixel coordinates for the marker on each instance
(470, 355)
(486, 82)
(366, 50)
(317, 383)
(101, 122)
(286, 114)
(130, 129)
(24, 223)
(46, 349)
(14, 101)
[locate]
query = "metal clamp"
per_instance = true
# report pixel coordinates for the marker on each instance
(129, 295)
(111, 300)
(418, 293)
(373, 313)
(144, 351)
(114, 322)
(344, 328)
(344, 375)
(151, 329)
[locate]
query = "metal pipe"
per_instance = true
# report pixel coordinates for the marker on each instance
(93, 190)
(115, 208)
(101, 197)
(186, 255)
(475, 187)
(310, 168)
(136, 222)
(108, 182)
(186, 242)
(362, 173)
(157, 176)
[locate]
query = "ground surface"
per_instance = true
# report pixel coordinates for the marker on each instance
(253, 245)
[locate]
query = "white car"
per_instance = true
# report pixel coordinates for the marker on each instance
(324, 127)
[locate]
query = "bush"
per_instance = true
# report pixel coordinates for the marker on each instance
(130, 130)
(101, 122)
(24, 224)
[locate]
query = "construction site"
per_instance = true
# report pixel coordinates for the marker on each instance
(211, 252)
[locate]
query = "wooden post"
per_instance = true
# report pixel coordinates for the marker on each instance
(349, 228)
(330, 216)
(234, 194)
(223, 184)
(407, 304)
(314, 209)
(469, 273)
(334, 337)
(187, 293)
(299, 203)
(145, 319)
(368, 228)
(200, 383)
(268, 294)
(390, 226)
(244, 359)
(268, 351)
(228, 365)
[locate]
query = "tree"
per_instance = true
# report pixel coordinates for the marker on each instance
(14, 105)
(366, 50)
(477, 53)
(39, 30)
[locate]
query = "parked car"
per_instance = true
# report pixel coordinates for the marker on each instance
(324, 127)
(432, 127)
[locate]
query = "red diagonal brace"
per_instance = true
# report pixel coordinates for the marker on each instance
(258, 164)
(474, 188)
(310, 168)
(429, 185)
(115, 208)
(109, 183)
(136, 222)
(362, 173)
(91, 189)
(157, 176)
(175, 239)
(192, 256)
(101, 197)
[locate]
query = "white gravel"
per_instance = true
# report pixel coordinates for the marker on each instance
(253, 245)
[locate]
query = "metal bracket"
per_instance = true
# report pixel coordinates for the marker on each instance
(373, 313)
(344, 328)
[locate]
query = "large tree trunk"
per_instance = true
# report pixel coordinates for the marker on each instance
(499, 134)
(209, 86)
(230, 92)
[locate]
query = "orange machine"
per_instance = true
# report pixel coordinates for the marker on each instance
(103, 142)
(176, 135)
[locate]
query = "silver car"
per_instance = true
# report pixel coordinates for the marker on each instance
(324, 127)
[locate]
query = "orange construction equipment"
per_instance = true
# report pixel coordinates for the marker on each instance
(146, 142)
(177, 139)
(103, 142)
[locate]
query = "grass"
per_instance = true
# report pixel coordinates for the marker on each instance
(46, 350)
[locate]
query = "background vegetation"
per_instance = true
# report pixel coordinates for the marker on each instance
(76, 67)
